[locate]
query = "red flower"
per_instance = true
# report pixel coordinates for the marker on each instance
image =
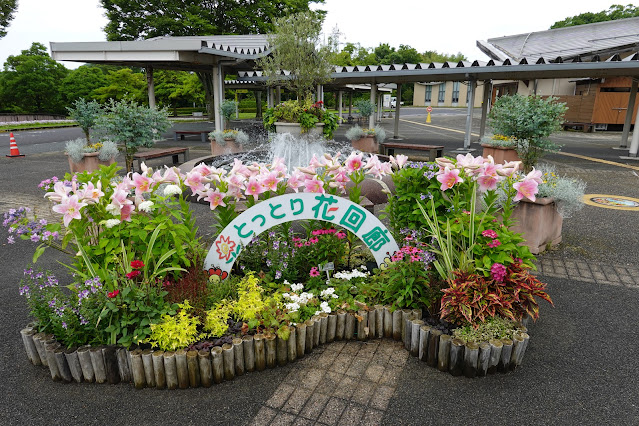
(137, 264)
(112, 294)
(133, 274)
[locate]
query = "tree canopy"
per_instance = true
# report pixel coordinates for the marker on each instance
(7, 9)
(152, 18)
(616, 11)
(354, 54)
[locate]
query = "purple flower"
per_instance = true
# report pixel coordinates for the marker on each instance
(278, 275)
(24, 291)
(64, 325)
(10, 239)
(35, 238)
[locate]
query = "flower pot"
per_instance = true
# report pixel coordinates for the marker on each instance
(89, 163)
(230, 146)
(366, 144)
(295, 129)
(539, 222)
(500, 154)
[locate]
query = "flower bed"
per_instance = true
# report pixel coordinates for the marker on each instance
(455, 289)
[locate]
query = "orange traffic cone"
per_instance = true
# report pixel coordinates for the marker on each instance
(15, 152)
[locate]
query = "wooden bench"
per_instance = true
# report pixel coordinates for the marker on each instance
(160, 153)
(203, 134)
(434, 151)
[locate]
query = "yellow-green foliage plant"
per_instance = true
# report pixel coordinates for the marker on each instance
(175, 332)
(250, 302)
(216, 322)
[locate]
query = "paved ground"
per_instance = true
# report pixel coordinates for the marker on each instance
(580, 367)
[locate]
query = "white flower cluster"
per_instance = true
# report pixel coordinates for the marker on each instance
(329, 293)
(323, 308)
(295, 300)
(350, 275)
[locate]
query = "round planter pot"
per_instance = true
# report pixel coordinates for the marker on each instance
(499, 153)
(295, 129)
(230, 147)
(89, 163)
(539, 222)
(366, 144)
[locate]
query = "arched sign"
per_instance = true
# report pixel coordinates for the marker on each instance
(305, 206)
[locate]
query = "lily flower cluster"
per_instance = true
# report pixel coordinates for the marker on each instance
(249, 181)
(119, 200)
(487, 175)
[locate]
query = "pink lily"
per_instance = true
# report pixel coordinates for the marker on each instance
(90, 193)
(535, 175)
(70, 208)
(270, 181)
(354, 162)
(142, 183)
(215, 199)
(525, 188)
(314, 185)
(296, 180)
(60, 191)
(254, 188)
(448, 178)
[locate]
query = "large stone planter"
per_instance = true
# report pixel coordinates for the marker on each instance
(366, 144)
(295, 129)
(499, 153)
(89, 163)
(539, 222)
(230, 146)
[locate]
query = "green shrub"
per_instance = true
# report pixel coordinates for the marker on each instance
(175, 332)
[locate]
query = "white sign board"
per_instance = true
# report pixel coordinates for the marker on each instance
(387, 99)
(304, 206)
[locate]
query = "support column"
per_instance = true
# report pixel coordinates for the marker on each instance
(380, 107)
(488, 88)
(629, 111)
(339, 106)
(150, 86)
(278, 95)
(469, 113)
(217, 98)
(258, 104)
(634, 145)
(371, 119)
(269, 97)
(350, 104)
(398, 104)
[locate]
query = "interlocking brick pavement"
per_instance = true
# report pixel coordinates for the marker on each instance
(591, 272)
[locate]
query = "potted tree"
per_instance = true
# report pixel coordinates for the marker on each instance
(227, 109)
(295, 49)
(132, 126)
(86, 114)
(84, 157)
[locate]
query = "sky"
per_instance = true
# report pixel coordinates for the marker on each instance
(420, 24)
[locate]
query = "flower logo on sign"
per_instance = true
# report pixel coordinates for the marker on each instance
(224, 247)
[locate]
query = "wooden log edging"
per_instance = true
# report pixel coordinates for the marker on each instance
(184, 369)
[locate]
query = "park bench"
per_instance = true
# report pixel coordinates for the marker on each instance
(160, 153)
(412, 149)
(203, 134)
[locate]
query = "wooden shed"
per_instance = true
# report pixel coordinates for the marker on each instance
(598, 103)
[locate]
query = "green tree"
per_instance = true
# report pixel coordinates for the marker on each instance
(616, 11)
(86, 114)
(121, 84)
(151, 18)
(132, 126)
(31, 82)
(433, 56)
(82, 83)
(295, 49)
(177, 88)
(7, 9)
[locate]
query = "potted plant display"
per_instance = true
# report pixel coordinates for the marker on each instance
(366, 140)
(227, 141)
(84, 157)
(501, 148)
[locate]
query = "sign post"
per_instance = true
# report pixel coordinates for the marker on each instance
(428, 110)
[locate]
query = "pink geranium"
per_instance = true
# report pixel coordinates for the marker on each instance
(70, 208)
(448, 178)
(489, 233)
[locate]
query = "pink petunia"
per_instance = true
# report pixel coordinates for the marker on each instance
(448, 178)
(70, 208)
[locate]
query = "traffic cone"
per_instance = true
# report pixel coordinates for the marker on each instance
(15, 152)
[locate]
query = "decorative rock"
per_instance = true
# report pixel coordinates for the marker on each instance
(159, 373)
(443, 352)
(193, 365)
(260, 352)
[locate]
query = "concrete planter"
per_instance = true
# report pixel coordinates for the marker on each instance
(366, 144)
(295, 129)
(89, 163)
(539, 222)
(499, 153)
(229, 147)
